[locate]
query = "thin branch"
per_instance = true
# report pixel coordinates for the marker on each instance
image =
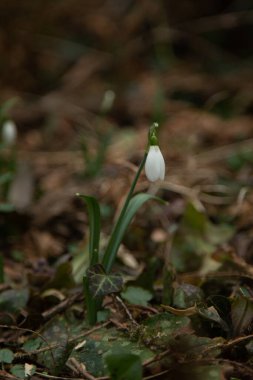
(127, 311)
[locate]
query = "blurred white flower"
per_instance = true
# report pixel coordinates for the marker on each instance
(9, 132)
(155, 165)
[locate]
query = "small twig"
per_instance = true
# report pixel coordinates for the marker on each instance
(79, 369)
(61, 306)
(45, 375)
(223, 152)
(156, 358)
(235, 341)
(127, 311)
(148, 308)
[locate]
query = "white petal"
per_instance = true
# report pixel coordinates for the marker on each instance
(162, 166)
(155, 166)
(9, 132)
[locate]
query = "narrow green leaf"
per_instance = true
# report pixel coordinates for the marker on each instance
(101, 283)
(117, 235)
(94, 222)
(91, 303)
(124, 365)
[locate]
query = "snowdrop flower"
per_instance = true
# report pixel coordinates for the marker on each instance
(155, 165)
(9, 132)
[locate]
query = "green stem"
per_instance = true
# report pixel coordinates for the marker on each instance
(111, 250)
(90, 303)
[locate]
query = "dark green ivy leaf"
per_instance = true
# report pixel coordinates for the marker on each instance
(101, 283)
(124, 365)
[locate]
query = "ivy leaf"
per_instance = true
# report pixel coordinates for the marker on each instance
(101, 283)
(124, 365)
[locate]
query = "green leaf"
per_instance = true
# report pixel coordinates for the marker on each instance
(120, 228)
(94, 222)
(13, 300)
(32, 345)
(124, 365)
(55, 332)
(101, 283)
(18, 370)
(6, 356)
(159, 330)
(106, 341)
(136, 295)
(242, 314)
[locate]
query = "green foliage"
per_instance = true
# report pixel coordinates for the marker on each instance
(13, 300)
(137, 295)
(6, 356)
(159, 330)
(196, 239)
(56, 334)
(120, 228)
(101, 283)
(97, 283)
(123, 365)
(94, 224)
(18, 370)
(32, 345)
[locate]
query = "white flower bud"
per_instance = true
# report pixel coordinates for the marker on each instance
(9, 132)
(155, 165)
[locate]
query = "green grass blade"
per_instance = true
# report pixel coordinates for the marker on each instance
(94, 223)
(135, 203)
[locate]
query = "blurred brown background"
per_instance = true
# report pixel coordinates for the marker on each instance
(149, 53)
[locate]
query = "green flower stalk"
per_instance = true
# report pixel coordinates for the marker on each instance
(98, 281)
